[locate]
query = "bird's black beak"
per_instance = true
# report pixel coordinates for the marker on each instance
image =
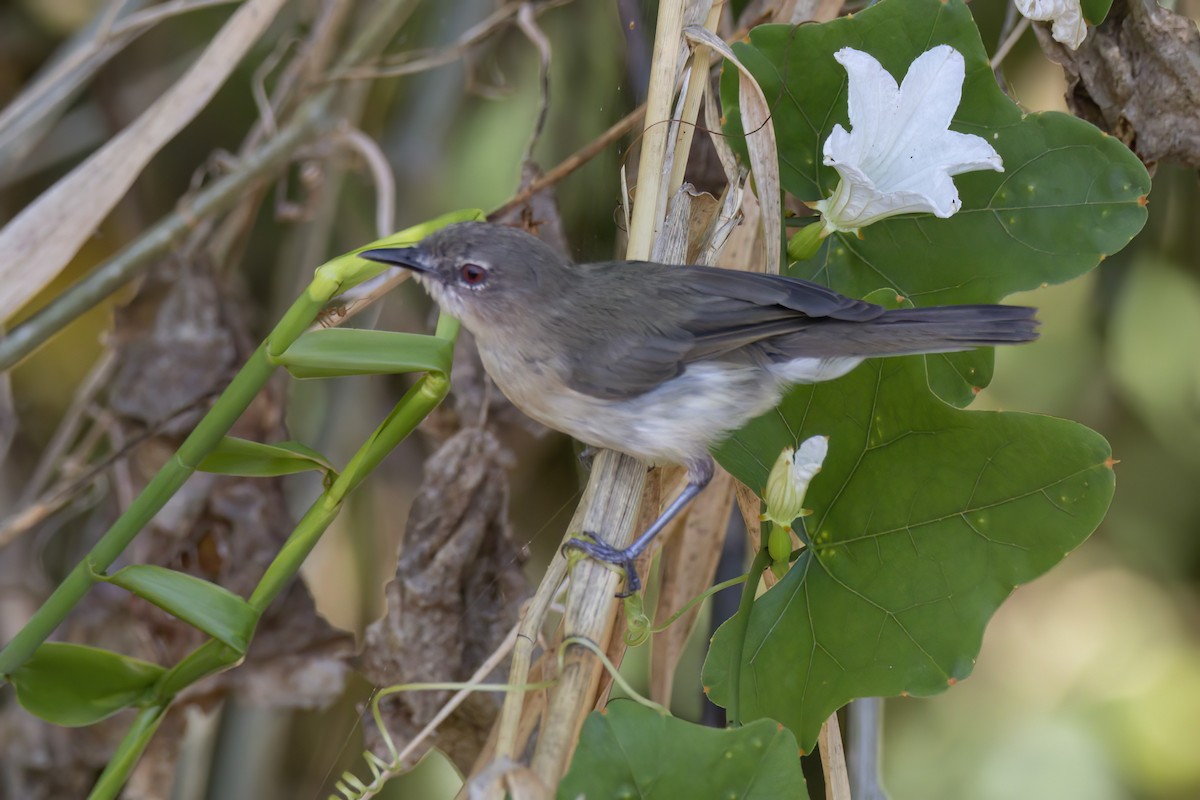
(415, 258)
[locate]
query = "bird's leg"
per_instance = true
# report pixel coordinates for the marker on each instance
(699, 474)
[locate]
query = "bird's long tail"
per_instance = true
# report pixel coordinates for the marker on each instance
(907, 331)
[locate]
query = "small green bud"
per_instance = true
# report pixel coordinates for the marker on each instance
(807, 241)
(779, 545)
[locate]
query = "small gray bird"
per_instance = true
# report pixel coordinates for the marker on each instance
(662, 362)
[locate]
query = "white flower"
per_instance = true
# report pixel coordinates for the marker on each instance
(899, 156)
(1068, 26)
(788, 482)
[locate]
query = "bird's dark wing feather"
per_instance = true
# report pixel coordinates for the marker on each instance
(679, 315)
(734, 309)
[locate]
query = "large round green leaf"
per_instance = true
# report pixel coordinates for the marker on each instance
(629, 751)
(926, 518)
(1069, 194)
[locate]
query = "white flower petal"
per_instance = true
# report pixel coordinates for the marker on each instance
(871, 100)
(925, 105)
(857, 202)
(969, 153)
(900, 155)
(1068, 26)
(933, 86)
(810, 455)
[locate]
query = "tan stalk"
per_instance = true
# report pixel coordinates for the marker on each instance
(613, 495)
(833, 760)
(696, 88)
(527, 638)
(610, 508)
(663, 70)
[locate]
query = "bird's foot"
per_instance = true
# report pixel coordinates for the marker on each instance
(622, 559)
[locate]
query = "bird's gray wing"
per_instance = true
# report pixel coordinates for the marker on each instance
(670, 316)
(735, 309)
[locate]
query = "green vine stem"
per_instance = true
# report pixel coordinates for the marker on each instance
(741, 623)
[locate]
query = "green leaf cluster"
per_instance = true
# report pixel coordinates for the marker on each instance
(71, 684)
(927, 516)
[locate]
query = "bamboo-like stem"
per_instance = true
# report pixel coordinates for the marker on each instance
(216, 423)
(663, 69)
(426, 394)
(214, 656)
(117, 771)
(609, 507)
(613, 495)
(224, 413)
(833, 760)
(697, 86)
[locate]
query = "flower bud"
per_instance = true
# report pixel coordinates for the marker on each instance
(788, 482)
(805, 244)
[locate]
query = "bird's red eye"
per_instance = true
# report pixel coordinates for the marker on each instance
(473, 274)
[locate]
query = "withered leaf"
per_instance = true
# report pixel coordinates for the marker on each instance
(456, 594)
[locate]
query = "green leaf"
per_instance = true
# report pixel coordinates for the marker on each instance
(1069, 196)
(234, 456)
(348, 351)
(1095, 11)
(629, 751)
(926, 518)
(74, 685)
(213, 609)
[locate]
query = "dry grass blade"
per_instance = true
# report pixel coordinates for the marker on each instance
(51, 230)
(712, 121)
(697, 90)
(381, 175)
(421, 60)
(688, 564)
(25, 120)
(760, 141)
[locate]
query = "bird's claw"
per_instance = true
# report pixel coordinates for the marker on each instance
(600, 551)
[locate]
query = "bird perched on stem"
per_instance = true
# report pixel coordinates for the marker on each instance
(658, 361)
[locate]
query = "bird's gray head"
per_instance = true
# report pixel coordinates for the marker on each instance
(486, 275)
